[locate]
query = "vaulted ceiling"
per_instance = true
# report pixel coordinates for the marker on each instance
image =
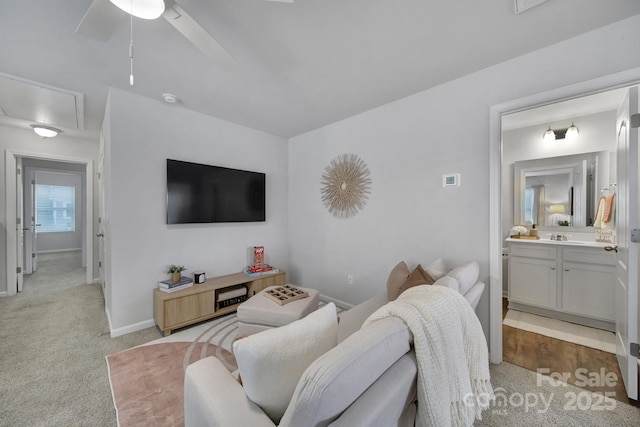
(300, 65)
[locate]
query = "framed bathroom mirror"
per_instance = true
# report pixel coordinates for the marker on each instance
(559, 191)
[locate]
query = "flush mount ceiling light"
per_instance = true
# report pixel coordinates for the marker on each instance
(145, 9)
(46, 131)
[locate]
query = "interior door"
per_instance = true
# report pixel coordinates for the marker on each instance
(101, 216)
(19, 226)
(34, 225)
(627, 219)
(30, 238)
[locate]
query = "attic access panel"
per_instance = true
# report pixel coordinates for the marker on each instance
(39, 103)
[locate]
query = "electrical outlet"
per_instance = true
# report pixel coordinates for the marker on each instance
(349, 279)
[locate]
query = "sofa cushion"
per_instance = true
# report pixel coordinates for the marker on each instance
(466, 275)
(337, 378)
(351, 320)
(449, 282)
(271, 362)
(398, 276)
(436, 269)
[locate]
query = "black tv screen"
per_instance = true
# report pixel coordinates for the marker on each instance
(199, 193)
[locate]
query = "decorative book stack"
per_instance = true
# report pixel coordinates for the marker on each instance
(171, 286)
(262, 269)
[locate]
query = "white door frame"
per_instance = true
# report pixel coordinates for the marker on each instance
(10, 207)
(613, 81)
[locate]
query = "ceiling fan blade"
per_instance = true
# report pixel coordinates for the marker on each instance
(100, 21)
(189, 28)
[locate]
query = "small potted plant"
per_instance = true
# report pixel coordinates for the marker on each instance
(175, 270)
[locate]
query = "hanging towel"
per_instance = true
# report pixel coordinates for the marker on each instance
(608, 208)
(599, 213)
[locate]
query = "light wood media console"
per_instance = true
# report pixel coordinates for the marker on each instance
(173, 310)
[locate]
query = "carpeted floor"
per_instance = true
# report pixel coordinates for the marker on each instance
(53, 370)
(54, 341)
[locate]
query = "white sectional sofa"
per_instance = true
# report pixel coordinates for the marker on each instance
(367, 379)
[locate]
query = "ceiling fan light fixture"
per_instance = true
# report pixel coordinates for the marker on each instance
(145, 9)
(572, 132)
(549, 135)
(46, 131)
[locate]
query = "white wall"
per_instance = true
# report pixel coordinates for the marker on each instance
(26, 141)
(408, 146)
(142, 134)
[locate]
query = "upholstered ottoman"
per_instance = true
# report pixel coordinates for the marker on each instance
(259, 312)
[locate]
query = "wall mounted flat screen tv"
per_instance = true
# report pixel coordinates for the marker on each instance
(199, 193)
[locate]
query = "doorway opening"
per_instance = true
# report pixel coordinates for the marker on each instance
(53, 220)
(501, 212)
(68, 219)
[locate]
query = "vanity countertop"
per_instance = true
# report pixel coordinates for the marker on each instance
(579, 243)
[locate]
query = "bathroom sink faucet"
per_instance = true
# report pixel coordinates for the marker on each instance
(559, 237)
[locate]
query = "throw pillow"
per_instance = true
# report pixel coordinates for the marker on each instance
(271, 362)
(436, 269)
(449, 282)
(399, 274)
(417, 277)
(466, 275)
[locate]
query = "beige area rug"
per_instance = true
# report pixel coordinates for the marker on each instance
(565, 331)
(147, 382)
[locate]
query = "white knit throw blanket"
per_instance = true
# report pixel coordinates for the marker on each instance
(453, 360)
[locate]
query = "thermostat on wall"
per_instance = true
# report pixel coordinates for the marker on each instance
(451, 180)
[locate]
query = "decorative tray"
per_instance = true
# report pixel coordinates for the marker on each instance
(285, 294)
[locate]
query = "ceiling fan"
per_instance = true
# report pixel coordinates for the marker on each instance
(103, 17)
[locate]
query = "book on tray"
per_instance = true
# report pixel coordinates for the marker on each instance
(175, 288)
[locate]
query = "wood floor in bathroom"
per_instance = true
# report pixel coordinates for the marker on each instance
(534, 351)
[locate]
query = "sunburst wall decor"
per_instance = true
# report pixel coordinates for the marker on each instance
(346, 183)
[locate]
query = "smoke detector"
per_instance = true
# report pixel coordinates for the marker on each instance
(170, 98)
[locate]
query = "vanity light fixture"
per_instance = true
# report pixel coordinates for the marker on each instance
(553, 134)
(549, 135)
(46, 131)
(572, 132)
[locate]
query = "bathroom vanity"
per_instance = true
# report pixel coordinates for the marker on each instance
(567, 280)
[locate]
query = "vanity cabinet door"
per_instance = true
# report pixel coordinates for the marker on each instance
(589, 290)
(533, 281)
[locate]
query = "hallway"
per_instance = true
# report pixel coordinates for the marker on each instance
(56, 272)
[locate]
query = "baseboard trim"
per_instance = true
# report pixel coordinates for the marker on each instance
(106, 310)
(3, 294)
(343, 305)
(131, 328)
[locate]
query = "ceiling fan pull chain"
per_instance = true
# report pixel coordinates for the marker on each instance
(131, 47)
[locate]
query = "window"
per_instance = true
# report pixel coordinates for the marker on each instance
(55, 208)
